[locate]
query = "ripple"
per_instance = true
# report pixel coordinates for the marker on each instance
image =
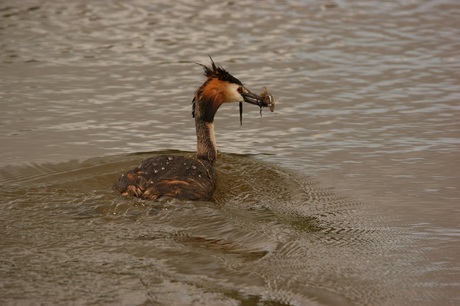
(368, 100)
(263, 221)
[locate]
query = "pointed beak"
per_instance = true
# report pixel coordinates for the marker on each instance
(252, 98)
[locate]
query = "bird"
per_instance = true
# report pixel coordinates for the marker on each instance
(190, 178)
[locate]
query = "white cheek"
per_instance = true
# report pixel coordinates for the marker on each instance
(232, 94)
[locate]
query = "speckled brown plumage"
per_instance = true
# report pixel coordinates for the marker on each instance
(169, 176)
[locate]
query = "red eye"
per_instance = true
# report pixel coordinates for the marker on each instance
(240, 90)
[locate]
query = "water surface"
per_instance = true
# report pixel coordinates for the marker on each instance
(347, 194)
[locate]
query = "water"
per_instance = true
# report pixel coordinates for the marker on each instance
(346, 195)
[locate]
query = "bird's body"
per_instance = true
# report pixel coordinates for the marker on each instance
(179, 177)
(189, 178)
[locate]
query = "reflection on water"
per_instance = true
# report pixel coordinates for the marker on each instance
(368, 96)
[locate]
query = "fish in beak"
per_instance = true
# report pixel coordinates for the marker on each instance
(252, 98)
(265, 99)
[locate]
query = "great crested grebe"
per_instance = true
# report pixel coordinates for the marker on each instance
(184, 177)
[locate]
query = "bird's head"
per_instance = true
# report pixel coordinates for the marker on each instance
(220, 87)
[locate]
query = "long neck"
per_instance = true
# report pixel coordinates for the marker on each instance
(206, 142)
(205, 105)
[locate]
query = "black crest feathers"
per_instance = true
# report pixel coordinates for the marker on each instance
(217, 71)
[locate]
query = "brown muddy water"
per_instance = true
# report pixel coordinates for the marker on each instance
(347, 195)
